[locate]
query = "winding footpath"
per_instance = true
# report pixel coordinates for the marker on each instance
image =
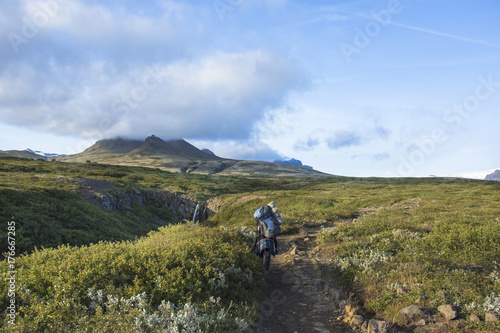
(294, 303)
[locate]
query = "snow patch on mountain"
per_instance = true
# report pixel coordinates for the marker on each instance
(41, 153)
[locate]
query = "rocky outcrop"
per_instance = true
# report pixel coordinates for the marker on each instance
(358, 322)
(474, 318)
(415, 317)
(108, 196)
(213, 205)
(352, 315)
(445, 318)
(412, 312)
(375, 326)
(181, 205)
(491, 317)
(493, 176)
(448, 311)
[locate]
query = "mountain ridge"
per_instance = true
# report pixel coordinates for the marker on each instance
(179, 156)
(493, 176)
(41, 153)
(293, 161)
(113, 146)
(181, 148)
(22, 154)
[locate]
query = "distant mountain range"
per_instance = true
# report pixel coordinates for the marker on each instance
(176, 156)
(29, 153)
(293, 161)
(493, 176)
(41, 153)
(21, 153)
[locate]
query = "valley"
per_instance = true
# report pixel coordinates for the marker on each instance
(106, 247)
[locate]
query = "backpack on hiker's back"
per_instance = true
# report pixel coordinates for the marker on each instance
(269, 219)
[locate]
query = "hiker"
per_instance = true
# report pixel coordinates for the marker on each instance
(260, 235)
(268, 221)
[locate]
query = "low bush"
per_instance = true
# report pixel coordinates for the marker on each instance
(184, 277)
(440, 242)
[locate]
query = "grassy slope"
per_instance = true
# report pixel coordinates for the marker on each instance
(46, 200)
(395, 240)
(434, 237)
(47, 204)
(441, 242)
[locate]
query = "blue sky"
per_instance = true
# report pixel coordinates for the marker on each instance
(355, 88)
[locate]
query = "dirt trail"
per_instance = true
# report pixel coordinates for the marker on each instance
(293, 303)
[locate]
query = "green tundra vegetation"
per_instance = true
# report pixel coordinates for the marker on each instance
(391, 242)
(185, 277)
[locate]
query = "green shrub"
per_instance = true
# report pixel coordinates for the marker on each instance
(208, 273)
(437, 240)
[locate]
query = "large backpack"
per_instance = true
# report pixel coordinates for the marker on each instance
(268, 221)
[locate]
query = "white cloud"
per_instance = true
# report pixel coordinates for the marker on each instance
(471, 174)
(241, 150)
(78, 29)
(218, 96)
(100, 70)
(20, 138)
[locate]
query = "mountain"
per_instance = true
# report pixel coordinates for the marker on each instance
(208, 151)
(175, 149)
(28, 153)
(293, 161)
(114, 146)
(22, 153)
(153, 146)
(41, 153)
(493, 176)
(179, 156)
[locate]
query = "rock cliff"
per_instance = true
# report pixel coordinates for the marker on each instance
(108, 196)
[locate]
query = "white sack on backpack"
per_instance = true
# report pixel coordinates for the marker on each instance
(276, 213)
